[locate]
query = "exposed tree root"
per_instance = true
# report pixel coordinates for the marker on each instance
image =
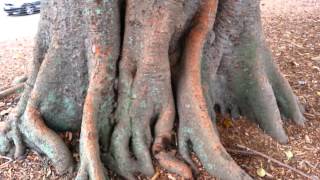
(195, 125)
(286, 100)
(39, 136)
(146, 100)
(124, 122)
(104, 44)
(10, 140)
(257, 100)
(26, 117)
(91, 165)
(247, 82)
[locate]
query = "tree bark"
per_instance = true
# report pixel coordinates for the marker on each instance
(125, 72)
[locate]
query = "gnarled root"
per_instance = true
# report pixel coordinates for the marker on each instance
(145, 98)
(103, 47)
(37, 135)
(32, 130)
(287, 102)
(195, 125)
(247, 82)
(10, 140)
(78, 76)
(90, 164)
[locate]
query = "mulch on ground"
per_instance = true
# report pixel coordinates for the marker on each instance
(292, 30)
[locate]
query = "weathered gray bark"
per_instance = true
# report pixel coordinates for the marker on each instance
(118, 71)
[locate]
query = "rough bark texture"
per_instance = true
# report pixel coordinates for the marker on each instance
(123, 72)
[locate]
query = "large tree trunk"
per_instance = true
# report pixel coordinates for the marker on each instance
(120, 70)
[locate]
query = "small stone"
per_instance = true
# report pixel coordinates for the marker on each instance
(302, 82)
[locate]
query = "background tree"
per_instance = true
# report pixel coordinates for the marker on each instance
(120, 70)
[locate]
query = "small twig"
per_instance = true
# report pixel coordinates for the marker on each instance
(6, 158)
(20, 79)
(11, 90)
(309, 115)
(248, 151)
(309, 164)
(156, 175)
(4, 164)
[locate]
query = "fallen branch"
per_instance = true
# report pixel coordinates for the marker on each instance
(20, 79)
(11, 90)
(248, 151)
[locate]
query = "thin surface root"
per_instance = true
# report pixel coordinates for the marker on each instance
(169, 162)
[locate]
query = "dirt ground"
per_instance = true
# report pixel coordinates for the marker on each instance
(292, 30)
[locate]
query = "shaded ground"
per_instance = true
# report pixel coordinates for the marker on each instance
(293, 32)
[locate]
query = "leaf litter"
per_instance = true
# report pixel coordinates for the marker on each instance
(292, 30)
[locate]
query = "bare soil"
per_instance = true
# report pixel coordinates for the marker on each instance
(292, 29)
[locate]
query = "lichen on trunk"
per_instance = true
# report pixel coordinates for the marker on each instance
(123, 73)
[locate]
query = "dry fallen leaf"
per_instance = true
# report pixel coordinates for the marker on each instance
(289, 154)
(261, 172)
(227, 123)
(308, 140)
(316, 58)
(171, 177)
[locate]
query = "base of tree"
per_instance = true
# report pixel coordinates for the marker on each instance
(207, 57)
